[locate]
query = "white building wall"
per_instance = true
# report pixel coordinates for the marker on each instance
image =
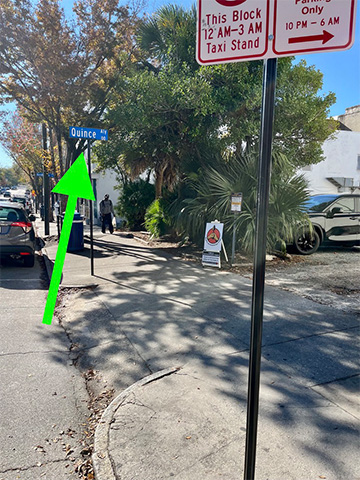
(102, 183)
(342, 161)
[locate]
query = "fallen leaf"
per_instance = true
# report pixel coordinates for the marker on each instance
(188, 438)
(39, 448)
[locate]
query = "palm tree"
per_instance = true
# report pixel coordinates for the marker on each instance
(238, 173)
(169, 36)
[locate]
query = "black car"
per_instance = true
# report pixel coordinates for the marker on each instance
(335, 220)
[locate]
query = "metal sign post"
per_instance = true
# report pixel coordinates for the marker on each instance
(242, 30)
(236, 202)
(268, 104)
(89, 134)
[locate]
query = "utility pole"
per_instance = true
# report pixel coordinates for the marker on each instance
(46, 193)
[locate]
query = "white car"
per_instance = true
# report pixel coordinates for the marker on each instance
(335, 220)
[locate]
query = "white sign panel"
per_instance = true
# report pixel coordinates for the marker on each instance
(241, 30)
(211, 259)
(230, 31)
(236, 202)
(308, 27)
(213, 237)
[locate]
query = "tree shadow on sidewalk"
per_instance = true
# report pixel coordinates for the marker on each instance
(160, 312)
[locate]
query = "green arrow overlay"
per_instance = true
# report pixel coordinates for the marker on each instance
(75, 183)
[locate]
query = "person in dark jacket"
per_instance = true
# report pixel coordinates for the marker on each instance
(106, 209)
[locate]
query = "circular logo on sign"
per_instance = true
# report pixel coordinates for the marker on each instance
(213, 236)
(230, 3)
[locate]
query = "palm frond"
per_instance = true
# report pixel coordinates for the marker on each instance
(238, 173)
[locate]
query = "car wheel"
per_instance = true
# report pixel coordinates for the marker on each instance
(29, 261)
(307, 243)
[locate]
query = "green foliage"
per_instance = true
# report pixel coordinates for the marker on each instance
(168, 36)
(21, 139)
(11, 176)
(168, 113)
(239, 174)
(134, 200)
(301, 115)
(62, 71)
(161, 121)
(157, 220)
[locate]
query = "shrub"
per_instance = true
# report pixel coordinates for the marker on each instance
(238, 173)
(135, 198)
(157, 220)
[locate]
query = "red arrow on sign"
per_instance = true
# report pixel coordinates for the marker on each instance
(325, 37)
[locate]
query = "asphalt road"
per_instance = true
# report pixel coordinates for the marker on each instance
(43, 397)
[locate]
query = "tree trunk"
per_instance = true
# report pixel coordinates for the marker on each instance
(159, 180)
(60, 150)
(52, 155)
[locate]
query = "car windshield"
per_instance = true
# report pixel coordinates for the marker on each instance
(318, 203)
(8, 214)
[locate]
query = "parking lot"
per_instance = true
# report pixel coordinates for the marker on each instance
(330, 277)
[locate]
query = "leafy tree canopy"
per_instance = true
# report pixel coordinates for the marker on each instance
(22, 141)
(61, 73)
(170, 111)
(11, 176)
(158, 123)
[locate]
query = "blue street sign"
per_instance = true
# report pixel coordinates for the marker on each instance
(51, 175)
(39, 174)
(89, 133)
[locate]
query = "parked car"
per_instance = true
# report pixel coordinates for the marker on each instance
(23, 200)
(17, 236)
(335, 220)
(7, 194)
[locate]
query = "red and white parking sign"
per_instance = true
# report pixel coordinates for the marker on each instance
(240, 30)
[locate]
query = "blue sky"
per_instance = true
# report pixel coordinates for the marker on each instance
(341, 70)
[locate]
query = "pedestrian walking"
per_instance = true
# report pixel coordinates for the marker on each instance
(106, 210)
(56, 209)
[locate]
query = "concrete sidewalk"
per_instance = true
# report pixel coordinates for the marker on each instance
(173, 339)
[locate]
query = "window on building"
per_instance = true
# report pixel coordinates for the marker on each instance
(358, 162)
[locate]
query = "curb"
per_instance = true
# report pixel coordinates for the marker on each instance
(103, 466)
(49, 265)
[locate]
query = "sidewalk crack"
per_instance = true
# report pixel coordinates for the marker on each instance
(38, 465)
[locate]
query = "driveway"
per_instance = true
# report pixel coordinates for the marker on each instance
(329, 277)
